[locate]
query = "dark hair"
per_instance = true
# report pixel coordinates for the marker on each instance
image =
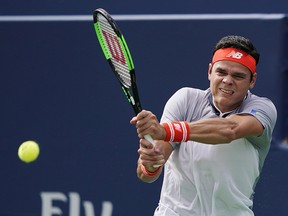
(238, 42)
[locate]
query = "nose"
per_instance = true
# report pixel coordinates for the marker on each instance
(227, 79)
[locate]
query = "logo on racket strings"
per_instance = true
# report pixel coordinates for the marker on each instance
(115, 47)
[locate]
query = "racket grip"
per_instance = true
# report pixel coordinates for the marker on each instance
(150, 139)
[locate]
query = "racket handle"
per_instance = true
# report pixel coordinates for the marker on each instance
(150, 139)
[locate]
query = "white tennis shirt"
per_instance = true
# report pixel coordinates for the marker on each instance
(213, 180)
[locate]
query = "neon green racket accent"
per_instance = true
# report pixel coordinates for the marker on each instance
(102, 41)
(125, 92)
(130, 61)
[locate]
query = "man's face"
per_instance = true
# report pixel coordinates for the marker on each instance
(229, 83)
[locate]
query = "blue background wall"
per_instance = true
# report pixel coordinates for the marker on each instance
(37, 7)
(56, 88)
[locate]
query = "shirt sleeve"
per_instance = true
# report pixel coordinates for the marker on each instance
(265, 111)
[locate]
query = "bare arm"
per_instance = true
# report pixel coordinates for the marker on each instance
(224, 130)
(210, 131)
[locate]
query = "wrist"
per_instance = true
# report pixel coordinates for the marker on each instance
(177, 131)
(150, 172)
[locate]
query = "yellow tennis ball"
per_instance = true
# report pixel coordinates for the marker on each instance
(28, 151)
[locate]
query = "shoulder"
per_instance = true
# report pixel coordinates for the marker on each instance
(255, 98)
(188, 92)
(256, 103)
(188, 97)
(184, 103)
(191, 90)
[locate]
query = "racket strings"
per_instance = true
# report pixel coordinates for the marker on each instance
(118, 57)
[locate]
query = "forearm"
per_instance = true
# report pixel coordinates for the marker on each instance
(213, 131)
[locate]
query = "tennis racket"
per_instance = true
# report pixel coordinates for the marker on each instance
(118, 56)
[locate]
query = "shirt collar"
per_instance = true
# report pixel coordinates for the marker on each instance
(216, 110)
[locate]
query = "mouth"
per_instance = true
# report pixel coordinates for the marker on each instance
(226, 91)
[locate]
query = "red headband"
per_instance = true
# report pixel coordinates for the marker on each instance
(235, 55)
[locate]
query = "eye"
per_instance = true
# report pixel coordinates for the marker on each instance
(221, 72)
(239, 76)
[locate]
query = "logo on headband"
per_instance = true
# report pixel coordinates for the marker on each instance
(234, 54)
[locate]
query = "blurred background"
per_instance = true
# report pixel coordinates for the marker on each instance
(56, 88)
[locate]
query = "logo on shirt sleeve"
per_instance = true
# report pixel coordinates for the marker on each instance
(254, 112)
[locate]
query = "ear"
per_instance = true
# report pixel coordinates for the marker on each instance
(253, 81)
(209, 71)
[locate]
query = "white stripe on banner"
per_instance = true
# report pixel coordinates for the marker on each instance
(151, 17)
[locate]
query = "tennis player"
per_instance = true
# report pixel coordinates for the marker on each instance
(212, 142)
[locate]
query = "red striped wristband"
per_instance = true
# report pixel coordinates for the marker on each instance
(148, 173)
(177, 131)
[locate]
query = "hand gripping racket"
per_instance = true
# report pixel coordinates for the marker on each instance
(118, 56)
